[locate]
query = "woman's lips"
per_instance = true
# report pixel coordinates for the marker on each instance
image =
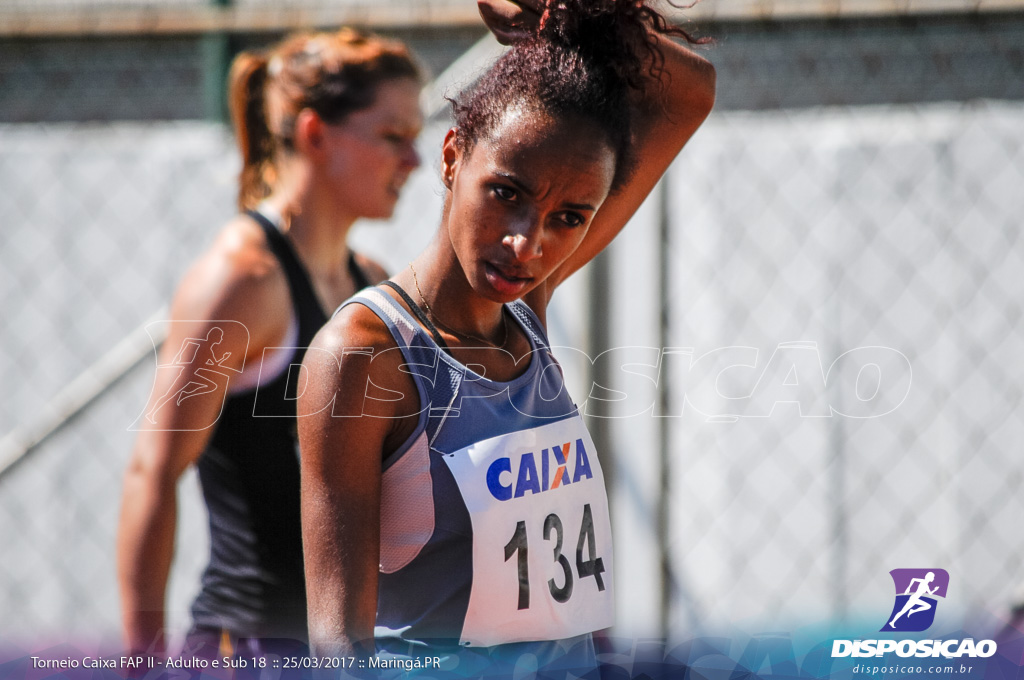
(505, 282)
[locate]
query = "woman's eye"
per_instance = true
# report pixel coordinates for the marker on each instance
(572, 219)
(504, 193)
(398, 137)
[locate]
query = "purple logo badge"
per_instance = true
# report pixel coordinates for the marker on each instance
(916, 590)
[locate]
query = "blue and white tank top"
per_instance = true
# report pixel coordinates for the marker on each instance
(495, 532)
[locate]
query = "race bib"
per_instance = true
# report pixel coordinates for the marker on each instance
(542, 545)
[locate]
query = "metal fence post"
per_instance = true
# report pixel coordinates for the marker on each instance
(216, 49)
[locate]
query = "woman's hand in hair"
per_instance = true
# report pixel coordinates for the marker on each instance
(666, 119)
(511, 20)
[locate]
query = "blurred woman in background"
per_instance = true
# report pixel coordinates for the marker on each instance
(326, 124)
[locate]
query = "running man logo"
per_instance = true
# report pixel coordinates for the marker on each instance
(196, 372)
(554, 471)
(916, 590)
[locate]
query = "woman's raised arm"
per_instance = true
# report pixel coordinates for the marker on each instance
(666, 119)
(667, 111)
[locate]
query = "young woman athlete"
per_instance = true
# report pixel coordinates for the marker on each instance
(326, 125)
(456, 503)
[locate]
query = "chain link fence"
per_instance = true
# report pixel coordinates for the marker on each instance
(858, 187)
(865, 265)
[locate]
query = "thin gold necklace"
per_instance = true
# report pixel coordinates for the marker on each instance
(442, 324)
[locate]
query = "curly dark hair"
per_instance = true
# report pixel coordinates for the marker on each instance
(586, 59)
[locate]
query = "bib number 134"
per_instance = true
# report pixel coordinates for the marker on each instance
(560, 588)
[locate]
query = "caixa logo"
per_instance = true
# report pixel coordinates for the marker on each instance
(505, 482)
(917, 593)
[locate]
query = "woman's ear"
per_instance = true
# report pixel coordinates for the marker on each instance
(450, 157)
(309, 132)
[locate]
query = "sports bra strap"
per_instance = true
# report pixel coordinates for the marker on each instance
(304, 298)
(530, 323)
(415, 308)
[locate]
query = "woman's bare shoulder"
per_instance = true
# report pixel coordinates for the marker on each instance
(356, 348)
(238, 278)
(355, 325)
(356, 333)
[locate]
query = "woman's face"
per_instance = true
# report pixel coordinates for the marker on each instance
(523, 199)
(370, 154)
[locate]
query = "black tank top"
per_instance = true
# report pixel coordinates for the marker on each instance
(254, 585)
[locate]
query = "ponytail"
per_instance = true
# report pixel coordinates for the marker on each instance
(332, 74)
(247, 82)
(620, 34)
